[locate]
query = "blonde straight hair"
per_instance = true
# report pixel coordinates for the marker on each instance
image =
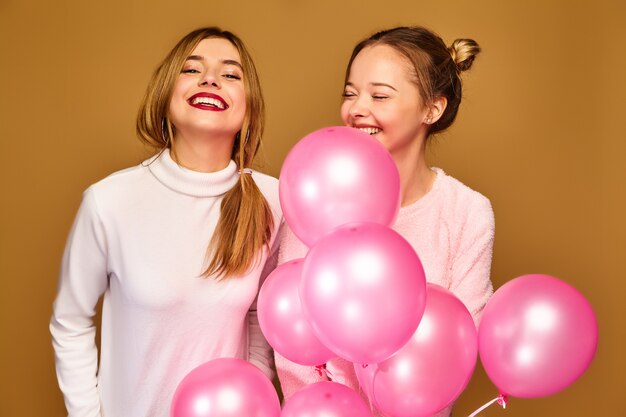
(246, 221)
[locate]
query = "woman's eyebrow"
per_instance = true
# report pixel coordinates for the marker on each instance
(232, 62)
(383, 85)
(349, 84)
(224, 61)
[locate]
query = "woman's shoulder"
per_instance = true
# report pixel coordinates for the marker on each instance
(265, 180)
(463, 200)
(266, 183)
(123, 178)
(110, 193)
(458, 190)
(269, 187)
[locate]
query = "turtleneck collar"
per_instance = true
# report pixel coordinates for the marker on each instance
(193, 183)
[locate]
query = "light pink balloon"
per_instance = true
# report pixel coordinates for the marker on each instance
(282, 320)
(225, 387)
(433, 368)
(363, 290)
(334, 176)
(537, 335)
(326, 399)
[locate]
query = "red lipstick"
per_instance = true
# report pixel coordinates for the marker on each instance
(207, 101)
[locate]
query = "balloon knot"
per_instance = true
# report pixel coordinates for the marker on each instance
(502, 400)
(321, 369)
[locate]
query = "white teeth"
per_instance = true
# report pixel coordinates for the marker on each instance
(369, 130)
(208, 101)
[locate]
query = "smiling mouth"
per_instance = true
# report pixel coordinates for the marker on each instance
(369, 130)
(208, 102)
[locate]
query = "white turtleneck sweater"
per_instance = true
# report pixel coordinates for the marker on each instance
(140, 239)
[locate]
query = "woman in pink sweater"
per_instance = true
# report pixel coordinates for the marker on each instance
(402, 86)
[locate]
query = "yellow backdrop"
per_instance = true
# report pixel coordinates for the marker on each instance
(540, 133)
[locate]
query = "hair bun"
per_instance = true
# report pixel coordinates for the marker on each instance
(463, 52)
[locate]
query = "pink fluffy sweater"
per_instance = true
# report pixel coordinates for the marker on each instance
(452, 230)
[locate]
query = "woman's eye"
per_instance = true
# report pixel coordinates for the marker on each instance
(232, 76)
(348, 94)
(379, 97)
(190, 71)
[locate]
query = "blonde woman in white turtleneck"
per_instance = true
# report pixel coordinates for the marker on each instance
(177, 246)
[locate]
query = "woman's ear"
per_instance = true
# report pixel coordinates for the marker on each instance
(436, 109)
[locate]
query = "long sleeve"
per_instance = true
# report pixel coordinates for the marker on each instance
(259, 350)
(83, 279)
(471, 266)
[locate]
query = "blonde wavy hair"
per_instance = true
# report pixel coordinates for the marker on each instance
(246, 221)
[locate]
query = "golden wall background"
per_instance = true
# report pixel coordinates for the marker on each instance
(540, 133)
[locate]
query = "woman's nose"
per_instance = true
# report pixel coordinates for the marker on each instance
(209, 79)
(358, 108)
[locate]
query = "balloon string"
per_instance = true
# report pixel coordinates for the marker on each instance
(329, 374)
(500, 399)
(371, 400)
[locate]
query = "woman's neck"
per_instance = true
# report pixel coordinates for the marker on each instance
(201, 154)
(416, 178)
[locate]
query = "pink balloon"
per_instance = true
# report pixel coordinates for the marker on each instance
(433, 368)
(282, 320)
(363, 290)
(537, 335)
(335, 176)
(225, 387)
(326, 399)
